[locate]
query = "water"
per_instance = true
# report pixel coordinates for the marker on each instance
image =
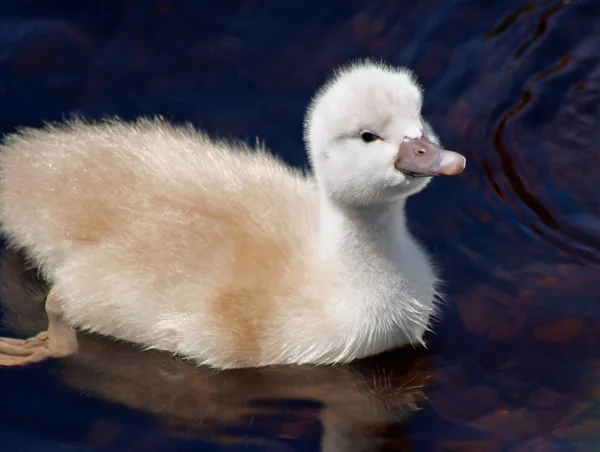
(514, 85)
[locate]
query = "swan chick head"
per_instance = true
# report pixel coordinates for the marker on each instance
(368, 143)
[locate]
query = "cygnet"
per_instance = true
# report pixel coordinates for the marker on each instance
(219, 252)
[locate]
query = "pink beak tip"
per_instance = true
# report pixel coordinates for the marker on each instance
(452, 164)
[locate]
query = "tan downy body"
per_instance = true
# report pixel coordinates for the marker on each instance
(220, 253)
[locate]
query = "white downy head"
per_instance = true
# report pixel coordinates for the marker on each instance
(367, 141)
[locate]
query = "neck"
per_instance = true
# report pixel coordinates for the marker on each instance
(361, 234)
(374, 255)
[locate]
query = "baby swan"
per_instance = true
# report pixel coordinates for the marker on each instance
(222, 254)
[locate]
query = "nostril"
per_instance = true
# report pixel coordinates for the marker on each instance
(420, 151)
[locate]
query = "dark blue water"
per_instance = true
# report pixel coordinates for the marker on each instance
(513, 85)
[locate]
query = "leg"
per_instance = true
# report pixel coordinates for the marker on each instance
(58, 341)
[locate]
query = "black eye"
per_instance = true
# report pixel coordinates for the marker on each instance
(369, 137)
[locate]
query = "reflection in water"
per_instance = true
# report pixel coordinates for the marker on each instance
(358, 407)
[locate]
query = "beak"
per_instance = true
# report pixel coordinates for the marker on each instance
(419, 157)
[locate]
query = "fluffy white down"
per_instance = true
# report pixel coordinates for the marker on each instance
(220, 253)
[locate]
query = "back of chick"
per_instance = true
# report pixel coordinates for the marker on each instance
(158, 235)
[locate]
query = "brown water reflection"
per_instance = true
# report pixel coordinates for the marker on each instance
(541, 404)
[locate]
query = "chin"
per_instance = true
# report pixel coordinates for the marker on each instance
(408, 186)
(415, 185)
(391, 191)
